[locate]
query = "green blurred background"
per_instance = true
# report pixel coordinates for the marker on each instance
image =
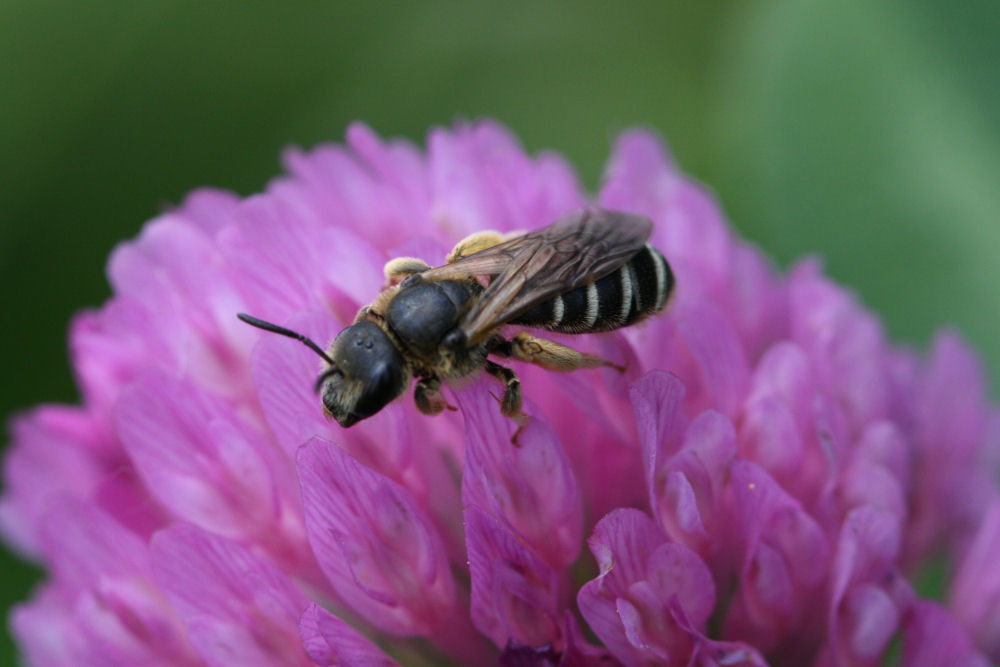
(868, 133)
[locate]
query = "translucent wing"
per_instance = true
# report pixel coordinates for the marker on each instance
(577, 249)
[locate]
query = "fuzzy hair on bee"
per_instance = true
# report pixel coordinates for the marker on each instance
(591, 271)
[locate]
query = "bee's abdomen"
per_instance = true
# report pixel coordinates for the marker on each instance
(635, 291)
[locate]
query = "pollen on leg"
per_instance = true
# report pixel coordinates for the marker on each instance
(401, 268)
(474, 243)
(554, 356)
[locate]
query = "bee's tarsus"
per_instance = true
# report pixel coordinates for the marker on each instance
(510, 404)
(428, 397)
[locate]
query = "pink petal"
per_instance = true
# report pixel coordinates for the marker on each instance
(118, 625)
(374, 543)
(332, 643)
(56, 452)
(872, 617)
(331, 186)
(722, 366)
(481, 179)
(785, 373)
(932, 638)
(514, 593)
(176, 272)
(770, 437)
(87, 543)
(111, 346)
(952, 401)
(649, 595)
(844, 343)
(974, 599)
(656, 400)
(208, 209)
(869, 542)
(688, 502)
(284, 373)
(237, 606)
(222, 642)
(121, 617)
(528, 486)
(45, 628)
(399, 169)
(203, 461)
(785, 556)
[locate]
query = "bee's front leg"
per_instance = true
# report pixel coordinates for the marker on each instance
(428, 397)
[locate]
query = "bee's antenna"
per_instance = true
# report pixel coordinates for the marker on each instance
(274, 328)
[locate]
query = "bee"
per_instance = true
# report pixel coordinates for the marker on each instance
(590, 271)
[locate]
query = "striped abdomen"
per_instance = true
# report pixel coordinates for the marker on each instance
(638, 289)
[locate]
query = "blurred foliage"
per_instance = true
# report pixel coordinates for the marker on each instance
(867, 133)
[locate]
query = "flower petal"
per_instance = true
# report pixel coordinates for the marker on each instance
(527, 486)
(56, 451)
(974, 598)
(239, 608)
(481, 179)
(176, 272)
(862, 570)
(45, 628)
(656, 401)
(785, 556)
(649, 595)
(331, 642)
(204, 462)
(514, 593)
(688, 487)
(376, 546)
(723, 372)
(932, 637)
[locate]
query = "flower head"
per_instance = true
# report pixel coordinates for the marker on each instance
(759, 485)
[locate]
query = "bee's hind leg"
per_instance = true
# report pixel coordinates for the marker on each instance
(548, 354)
(428, 397)
(473, 243)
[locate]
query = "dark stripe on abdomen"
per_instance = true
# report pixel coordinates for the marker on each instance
(635, 291)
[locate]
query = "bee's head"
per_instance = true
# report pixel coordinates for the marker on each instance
(365, 370)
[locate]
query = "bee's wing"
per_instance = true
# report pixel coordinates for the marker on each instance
(580, 248)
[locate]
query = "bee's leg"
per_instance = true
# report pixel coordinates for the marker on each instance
(510, 404)
(428, 397)
(400, 268)
(474, 243)
(549, 354)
